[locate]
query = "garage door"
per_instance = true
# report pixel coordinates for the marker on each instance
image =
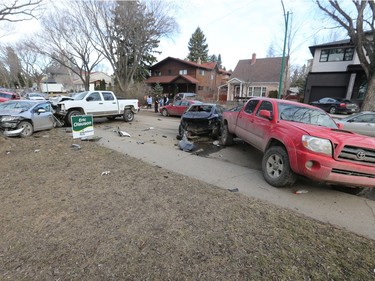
(323, 92)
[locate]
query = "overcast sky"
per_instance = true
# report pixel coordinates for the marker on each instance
(238, 28)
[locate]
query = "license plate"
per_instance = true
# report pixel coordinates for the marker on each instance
(352, 109)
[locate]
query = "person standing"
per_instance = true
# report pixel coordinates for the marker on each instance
(157, 104)
(149, 102)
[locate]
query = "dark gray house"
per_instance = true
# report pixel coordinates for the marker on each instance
(335, 72)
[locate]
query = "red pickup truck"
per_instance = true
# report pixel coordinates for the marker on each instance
(300, 139)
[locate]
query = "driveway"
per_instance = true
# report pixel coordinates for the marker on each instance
(153, 140)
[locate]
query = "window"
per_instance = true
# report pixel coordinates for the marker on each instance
(185, 103)
(94, 97)
(265, 105)
(337, 54)
(257, 91)
(200, 88)
(108, 96)
(177, 103)
(250, 106)
(201, 72)
(169, 71)
(365, 118)
(212, 77)
(157, 73)
(183, 72)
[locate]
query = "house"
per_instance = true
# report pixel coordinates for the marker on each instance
(335, 72)
(176, 76)
(95, 80)
(256, 78)
(61, 79)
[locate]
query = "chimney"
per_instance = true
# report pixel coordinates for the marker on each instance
(199, 61)
(253, 58)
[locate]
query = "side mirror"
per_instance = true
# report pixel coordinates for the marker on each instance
(40, 110)
(265, 114)
(340, 126)
(89, 98)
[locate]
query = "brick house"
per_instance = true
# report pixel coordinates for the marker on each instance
(335, 72)
(256, 78)
(178, 76)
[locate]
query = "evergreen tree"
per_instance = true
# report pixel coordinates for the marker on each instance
(198, 49)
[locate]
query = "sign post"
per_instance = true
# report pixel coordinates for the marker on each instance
(82, 126)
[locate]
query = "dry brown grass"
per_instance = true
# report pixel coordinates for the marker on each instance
(61, 219)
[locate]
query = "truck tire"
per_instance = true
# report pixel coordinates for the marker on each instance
(226, 137)
(28, 129)
(276, 167)
(69, 116)
(128, 115)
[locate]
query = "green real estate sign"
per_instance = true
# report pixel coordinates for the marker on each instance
(82, 126)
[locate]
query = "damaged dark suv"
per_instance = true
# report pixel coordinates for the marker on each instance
(202, 119)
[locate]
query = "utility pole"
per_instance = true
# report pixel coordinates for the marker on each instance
(286, 19)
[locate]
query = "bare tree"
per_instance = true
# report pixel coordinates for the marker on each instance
(11, 67)
(33, 63)
(19, 10)
(358, 21)
(127, 33)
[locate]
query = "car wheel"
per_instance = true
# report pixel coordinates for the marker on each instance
(164, 112)
(70, 115)
(332, 110)
(28, 129)
(226, 137)
(276, 167)
(128, 115)
(352, 190)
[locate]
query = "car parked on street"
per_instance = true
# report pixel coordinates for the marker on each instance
(202, 119)
(35, 96)
(6, 96)
(177, 108)
(24, 117)
(362, 123)
(185, 96)
(336, 105)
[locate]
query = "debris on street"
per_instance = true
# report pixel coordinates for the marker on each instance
(186, 145)
(106, 173)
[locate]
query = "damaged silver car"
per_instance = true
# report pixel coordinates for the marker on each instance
(24, 117)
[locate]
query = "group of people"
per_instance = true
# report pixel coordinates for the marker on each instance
(159, 101)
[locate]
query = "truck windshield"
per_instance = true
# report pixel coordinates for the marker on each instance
(80, 96)
(306, 115)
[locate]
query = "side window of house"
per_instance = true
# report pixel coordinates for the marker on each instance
(250, 106)
(183, 72)
(108, 96)
(265, 105)
(94, 97)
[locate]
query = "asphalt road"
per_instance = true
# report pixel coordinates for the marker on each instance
(153, 139)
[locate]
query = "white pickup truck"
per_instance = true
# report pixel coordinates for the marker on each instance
(98, 104)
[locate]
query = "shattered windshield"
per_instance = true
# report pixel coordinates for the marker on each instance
(200, 108)
(306, 115)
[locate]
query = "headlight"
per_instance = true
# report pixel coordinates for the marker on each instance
(9, 118)
(317, 144)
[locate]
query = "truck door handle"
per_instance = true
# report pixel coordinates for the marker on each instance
(100, 103)
(113, 103)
